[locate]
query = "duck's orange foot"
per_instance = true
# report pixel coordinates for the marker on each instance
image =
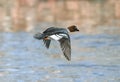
(46, 38)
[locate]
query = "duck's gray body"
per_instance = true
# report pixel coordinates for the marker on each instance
(53, 31)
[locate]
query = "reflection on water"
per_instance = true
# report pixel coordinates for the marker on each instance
(95, 58)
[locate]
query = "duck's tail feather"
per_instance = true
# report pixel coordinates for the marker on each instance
(39, 36)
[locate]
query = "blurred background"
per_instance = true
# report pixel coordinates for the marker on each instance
(95, 49)
(26, 15)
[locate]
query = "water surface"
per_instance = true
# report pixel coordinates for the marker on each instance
(95, 58)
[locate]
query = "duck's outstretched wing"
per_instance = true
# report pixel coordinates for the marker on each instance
(66, 46)
(47, 43)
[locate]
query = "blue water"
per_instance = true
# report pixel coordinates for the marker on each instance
(95, 58)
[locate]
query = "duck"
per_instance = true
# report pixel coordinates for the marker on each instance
(58, 34)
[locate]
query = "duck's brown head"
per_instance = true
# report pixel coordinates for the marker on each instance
(73, 28)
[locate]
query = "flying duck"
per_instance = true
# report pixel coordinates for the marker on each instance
(58, 34)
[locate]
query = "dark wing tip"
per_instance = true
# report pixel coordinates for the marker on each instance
(68, 58)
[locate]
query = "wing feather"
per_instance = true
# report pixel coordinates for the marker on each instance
(66, 47)
(47, 43)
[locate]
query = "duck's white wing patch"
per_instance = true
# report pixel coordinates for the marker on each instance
(58, 36)
(55, 37)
